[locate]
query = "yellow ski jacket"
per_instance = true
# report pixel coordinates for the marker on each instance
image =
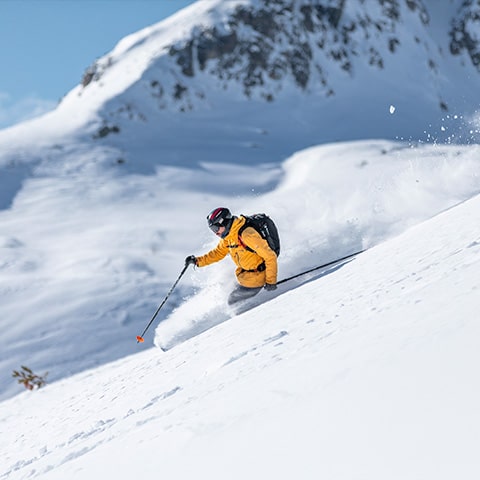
(254, 269)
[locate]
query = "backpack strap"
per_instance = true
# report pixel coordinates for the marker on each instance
(240, 231)
(246, 247)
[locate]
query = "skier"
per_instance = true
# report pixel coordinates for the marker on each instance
(256, 262)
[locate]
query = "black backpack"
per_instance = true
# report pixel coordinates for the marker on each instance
(265, 226)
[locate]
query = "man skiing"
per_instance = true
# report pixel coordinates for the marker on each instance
(256, 262)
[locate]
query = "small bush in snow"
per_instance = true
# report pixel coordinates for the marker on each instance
(29, 379)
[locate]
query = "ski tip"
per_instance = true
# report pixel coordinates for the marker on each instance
(140, 339)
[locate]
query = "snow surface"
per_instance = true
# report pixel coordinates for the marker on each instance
(366, 370)
(369, 371)
(87, 254)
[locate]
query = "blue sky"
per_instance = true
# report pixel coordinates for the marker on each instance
(46, 45)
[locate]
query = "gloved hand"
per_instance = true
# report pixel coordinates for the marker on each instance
(270, 287)
(191, 260)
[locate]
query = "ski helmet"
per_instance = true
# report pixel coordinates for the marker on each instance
(220, 217)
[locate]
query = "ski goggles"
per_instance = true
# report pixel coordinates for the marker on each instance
(215, 227)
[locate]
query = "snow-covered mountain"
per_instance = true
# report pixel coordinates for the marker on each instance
(339, 59)
(364, 370)
(101, 200)
(269, 77)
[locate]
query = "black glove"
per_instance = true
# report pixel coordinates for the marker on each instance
(270, 286)
(191, 260)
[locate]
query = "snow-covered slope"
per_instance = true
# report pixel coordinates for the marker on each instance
(101, 200)
(87, 255)
(367, 372)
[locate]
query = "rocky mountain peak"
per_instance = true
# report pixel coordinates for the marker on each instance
(269, 50)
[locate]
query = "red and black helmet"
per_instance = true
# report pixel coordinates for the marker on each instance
(220, 217)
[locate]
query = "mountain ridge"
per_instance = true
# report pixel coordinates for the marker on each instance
(270, 77)
(258, 44)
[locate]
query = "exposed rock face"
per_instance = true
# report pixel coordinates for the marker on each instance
(300, 39)
(465, 32)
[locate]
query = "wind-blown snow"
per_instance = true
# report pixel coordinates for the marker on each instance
(332, 201)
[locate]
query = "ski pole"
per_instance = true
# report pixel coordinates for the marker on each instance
(333, 262)
(140, 338)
